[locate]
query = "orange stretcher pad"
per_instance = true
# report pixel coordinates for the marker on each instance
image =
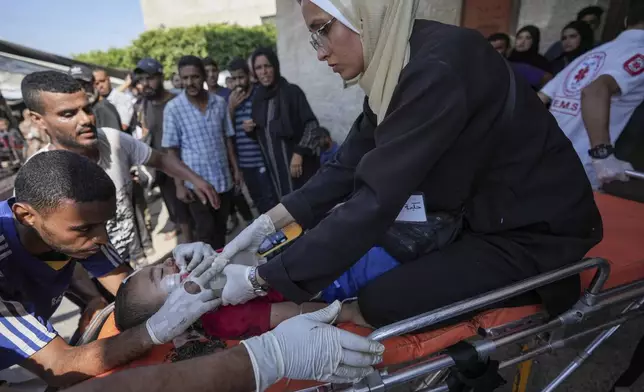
(623, 232)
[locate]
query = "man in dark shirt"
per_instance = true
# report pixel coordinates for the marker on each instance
(212, 77)
(106, 114)
(149, 73)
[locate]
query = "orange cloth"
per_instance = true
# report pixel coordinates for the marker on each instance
(623, 234)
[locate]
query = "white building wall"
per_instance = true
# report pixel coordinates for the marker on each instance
(175, 13)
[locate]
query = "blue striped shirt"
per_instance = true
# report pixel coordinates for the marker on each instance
(249, 154)
(31, 290)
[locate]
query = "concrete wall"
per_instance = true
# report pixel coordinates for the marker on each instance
(336, 107)
(552, 15)
(172, 13)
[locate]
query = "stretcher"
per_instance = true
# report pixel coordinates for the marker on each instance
(612, 276)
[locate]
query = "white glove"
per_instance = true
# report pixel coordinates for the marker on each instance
(306, 347)
(248, 240)
(190, 256)
(182, 308)
(171, 282)
(611, 169)
(238, 289)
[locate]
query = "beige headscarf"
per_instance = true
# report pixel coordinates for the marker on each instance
(384, 27)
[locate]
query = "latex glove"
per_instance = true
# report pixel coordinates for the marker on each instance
(306, 347)
(611, 169)
(190, 256)
(238, 289)
(182, 308)
(171, 282)
(248, 240)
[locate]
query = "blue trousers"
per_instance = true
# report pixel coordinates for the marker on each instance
(370, 266)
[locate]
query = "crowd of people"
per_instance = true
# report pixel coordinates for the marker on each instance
(577, 37)
(592, 88)
(260, 135)
(517, 190)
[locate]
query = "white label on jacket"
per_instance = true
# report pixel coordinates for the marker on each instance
(413, 210)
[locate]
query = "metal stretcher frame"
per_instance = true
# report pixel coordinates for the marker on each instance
(592, 301)
(434, 369)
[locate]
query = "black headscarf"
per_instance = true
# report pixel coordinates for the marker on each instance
(292, 111)
(531, 56)
(267, 92)
(587, 36)
(587, 42)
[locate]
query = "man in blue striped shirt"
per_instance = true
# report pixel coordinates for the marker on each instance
(55, 222)
(249, 154)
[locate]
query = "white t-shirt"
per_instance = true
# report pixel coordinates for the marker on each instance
(119, 152)
(123, 105)
(623, 59)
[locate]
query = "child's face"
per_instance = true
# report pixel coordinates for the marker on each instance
(147, 282)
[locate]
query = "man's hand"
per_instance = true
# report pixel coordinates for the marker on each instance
(238, 289)
(307, 348)
(195, 256)
(206, 193)
(544, 98)
(296, 165)
(93, 307)
(248, 240)
(184, 194)
(238, 178)
(237, 96)
(183, 307)
(249, 126)
(611, 169)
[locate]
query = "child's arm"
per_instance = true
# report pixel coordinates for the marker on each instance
(255, 317)
(283, 311)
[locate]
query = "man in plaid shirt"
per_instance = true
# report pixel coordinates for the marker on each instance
(197, 128)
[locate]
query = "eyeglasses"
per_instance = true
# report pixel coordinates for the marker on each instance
(319, 38)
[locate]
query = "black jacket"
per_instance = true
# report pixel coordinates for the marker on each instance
(442, 137)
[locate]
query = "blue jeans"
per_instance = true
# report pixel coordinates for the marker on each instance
(260, 187)
(370, 266)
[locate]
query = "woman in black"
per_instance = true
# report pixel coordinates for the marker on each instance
(284, 125)
(443, 123)
(577, 38)
(526, 49)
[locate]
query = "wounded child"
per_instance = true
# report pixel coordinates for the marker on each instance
(144, 292)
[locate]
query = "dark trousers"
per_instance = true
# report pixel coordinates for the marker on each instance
(468, 267)
(239, 204)
(177, 210)
(635, 368)
(210, 224)
(260, 187)
(142, 239)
